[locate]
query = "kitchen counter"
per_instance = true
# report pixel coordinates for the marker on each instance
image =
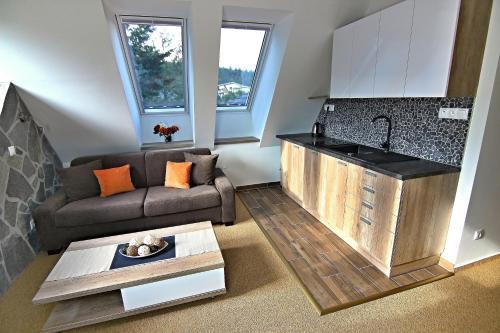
(401, 170)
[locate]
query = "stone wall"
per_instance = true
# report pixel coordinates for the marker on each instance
(417, 130)
(26, 179)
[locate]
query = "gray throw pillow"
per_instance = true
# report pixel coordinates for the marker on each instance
(203, 168)
(79, 182)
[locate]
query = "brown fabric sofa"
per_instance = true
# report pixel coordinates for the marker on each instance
(150, 206)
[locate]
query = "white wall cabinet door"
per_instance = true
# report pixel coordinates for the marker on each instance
(364, 56)
(431, 47)
(341, 62)
(393, 48)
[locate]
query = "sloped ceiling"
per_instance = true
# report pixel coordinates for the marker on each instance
(60, 54)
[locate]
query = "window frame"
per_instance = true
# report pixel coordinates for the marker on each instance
(182, 22)
(258, 68)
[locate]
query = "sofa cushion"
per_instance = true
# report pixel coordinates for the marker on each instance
(114, 180)
(203, 169)
(95, 210)
(162, 200)
(156, 162)
(136, 161)
(79, 181)
(178, 174)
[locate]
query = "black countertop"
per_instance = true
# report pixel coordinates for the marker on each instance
(400, 170)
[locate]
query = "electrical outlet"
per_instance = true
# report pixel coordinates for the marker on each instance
(329, 107)
(454, 113)
(478, 234)
(12, 150)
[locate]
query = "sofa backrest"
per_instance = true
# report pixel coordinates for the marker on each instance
(156, 162)
(136, 161)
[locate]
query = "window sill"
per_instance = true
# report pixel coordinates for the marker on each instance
(170, 145)
(230, 141)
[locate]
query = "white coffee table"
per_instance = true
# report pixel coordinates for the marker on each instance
(87, 291)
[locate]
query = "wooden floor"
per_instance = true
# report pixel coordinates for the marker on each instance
(333, 275)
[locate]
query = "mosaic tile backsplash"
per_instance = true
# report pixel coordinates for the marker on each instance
(416, 128)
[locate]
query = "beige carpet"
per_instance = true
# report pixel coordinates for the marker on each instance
(264, 297)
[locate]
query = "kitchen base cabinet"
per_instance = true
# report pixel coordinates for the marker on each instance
(400, 226)
(332, 189)
(292, 170)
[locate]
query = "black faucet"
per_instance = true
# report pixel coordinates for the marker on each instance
(387, 144)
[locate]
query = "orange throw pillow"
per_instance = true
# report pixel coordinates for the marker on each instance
(114, 180)
(178, 174)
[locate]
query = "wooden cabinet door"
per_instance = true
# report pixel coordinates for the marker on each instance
(364, 56)
(285, 164)
(296, 172)
(431, 47)
(393, 47)
(341, 62)
(312, 179)
(332, 196)
(353, 201)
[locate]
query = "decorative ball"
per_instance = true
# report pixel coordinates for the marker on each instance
(135, 242)
(144, 250)
(132, 251)
(151, 240)
(161, 243)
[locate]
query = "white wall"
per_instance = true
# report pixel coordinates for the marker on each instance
(62, 55)
(476, 203)
(59, 53)
(248, 163)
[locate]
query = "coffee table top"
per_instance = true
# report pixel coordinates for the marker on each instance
(84, 268)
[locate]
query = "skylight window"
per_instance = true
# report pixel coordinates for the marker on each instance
(156, 59)
(242, 49)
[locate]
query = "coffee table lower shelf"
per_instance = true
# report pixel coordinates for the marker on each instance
(104, 307)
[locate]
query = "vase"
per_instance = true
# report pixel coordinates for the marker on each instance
(168, 138)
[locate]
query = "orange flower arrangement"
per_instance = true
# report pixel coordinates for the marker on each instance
(166, 132)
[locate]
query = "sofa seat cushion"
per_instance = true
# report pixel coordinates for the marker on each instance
(162, 200)
(95, 210)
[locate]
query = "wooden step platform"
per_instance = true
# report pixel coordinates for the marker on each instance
(333, 275)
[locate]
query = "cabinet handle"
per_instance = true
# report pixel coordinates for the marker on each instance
(342, 163)
(369, 173)
(367, 205)
(362, 219)
(367, 189)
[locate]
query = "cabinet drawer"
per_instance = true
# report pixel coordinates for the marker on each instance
(381, 244)
(379, 214)
(380, 182)
(374, 238)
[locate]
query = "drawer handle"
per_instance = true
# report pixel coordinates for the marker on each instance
(364, 220)
(369, 173)
(367, 189)
(342, 163)
(367, 205)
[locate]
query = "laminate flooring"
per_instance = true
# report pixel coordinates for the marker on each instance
(333, 275)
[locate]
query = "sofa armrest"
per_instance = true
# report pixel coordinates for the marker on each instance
(226, 190)
(44, 216)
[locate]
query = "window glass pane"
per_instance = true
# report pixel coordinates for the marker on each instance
(239, 56)
(157, 60)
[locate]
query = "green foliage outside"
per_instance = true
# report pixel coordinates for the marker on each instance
(160, 73)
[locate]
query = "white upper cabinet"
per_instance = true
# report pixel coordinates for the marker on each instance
(431, 48)
(364, 56)
(341, 62)
(393, 48)
(404, 50)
